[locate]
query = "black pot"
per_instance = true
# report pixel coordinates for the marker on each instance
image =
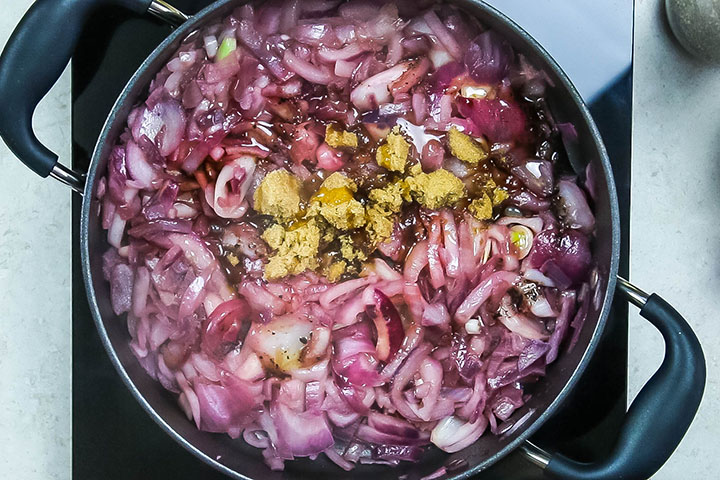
(657, 419)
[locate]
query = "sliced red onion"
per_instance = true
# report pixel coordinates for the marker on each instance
(223, 327)
(392, 247)
(488, 57)
(341, 289)
(337, 408)
(355, 357)
(451, 251)
(154, 228)
(375, 91)
(307, 70)
(443, 34)
(121, 288)
(305, 144)
(257, 438)
(437, 274)
(416, 260)
(116, 231)
(558, 255)
(229, 201)
(259, 47)
(329, 159)
(390, 332)
(403, 377)
(304, 433)
(173, 126)
(505, 402)
(194, 249)
(433, 155)
(538, 277)
(431, 379)
(510, 427)
(537, 175)
(435, 315)
(373, 435)
(452, 434)
(441, 111)
(319, 6)
(290, 14)
(495, 283)
(140, 170)
(575, 210)
(192, 297)
(413, 337)
(532, 353)
(222, 70)
(499, 120)
(526, 200)
(161, 202)
(541, 308)
(345, 68)
(414, 73)
(444, 76)
(414, 300)
(519, 323)
(357, 11)
(590, 180)
(568, 131)
(346, 53)
(224, 407)
(338, 459)
(581, 315)
(211, 45)
(562, 323)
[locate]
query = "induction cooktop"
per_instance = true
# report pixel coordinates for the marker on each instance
(114, 439)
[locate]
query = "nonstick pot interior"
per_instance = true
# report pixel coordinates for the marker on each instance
(239, 460)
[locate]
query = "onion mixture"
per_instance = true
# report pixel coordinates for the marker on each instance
(347, 228)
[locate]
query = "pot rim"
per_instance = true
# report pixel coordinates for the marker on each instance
(196, 21)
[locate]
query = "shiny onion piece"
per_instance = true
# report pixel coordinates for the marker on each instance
(442, 268)
(388, 325)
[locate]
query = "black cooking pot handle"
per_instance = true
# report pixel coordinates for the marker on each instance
(663, 410)
(32, 61)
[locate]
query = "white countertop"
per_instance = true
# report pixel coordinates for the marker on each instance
(675, 199)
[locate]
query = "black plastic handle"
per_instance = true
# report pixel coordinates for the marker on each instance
(663, 410)
(32, 61)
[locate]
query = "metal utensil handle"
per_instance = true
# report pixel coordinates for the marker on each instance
(167, 13)
(31, 63)
(659, 416)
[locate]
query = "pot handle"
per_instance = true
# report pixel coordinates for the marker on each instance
(661, 413)
(32, 61)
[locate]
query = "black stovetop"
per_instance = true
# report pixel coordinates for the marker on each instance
(114, 439)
